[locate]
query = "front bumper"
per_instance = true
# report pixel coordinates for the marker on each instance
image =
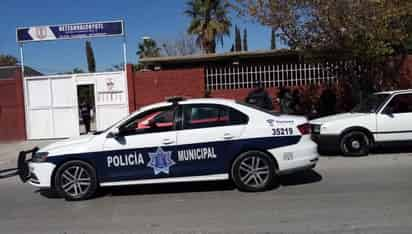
(23, 164)
(35, 173)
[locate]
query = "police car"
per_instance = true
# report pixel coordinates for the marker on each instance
(384, 118)
(176, 141)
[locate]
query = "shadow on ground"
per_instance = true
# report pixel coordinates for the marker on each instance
(392, 150)
(377, 150)
(299, 178)
(7, 173)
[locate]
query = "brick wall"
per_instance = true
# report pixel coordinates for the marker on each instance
(12, 120)
(154, 86)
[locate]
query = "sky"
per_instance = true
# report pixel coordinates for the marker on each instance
(161, 20)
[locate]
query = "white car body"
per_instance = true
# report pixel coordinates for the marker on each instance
(382, 126)
(126, 161)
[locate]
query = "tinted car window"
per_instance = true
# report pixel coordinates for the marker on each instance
(157, 120)
(202, 116)
(371, 104)
(401, 103)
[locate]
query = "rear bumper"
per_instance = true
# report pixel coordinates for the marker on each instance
(303, 168)
(300, 156)
(328, 143)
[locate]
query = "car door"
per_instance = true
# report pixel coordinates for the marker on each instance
(209, 138)
(394, 122)
(144, 148)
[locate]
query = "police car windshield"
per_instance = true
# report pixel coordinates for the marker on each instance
(371, 104)
(114, 124)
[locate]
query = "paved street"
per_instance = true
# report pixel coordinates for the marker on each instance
(342, 195)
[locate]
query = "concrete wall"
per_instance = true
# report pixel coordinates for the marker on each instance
(12, 120)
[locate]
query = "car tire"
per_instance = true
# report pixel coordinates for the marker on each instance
(254, 171)
(76, 180)
(355, 143)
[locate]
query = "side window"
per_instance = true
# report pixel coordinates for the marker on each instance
(401, 103)
(203, 116)
(237, 117)
(158, 120)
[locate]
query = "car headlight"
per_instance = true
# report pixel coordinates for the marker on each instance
(40, 157)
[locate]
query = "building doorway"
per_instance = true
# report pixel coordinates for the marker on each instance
(87, 108)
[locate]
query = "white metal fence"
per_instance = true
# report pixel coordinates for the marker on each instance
(274, 75)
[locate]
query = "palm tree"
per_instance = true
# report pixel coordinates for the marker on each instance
(209, 21)
(148, 48)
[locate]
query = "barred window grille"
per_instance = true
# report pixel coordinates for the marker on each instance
(275, 75)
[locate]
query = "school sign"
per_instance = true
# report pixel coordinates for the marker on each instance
(70, 31)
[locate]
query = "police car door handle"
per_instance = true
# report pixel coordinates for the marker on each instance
(167, 141)
(227, 136)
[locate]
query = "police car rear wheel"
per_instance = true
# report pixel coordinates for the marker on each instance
(253, 171)
(76, 180)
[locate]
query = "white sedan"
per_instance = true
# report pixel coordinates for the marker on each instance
(384, 118)
(177, 141)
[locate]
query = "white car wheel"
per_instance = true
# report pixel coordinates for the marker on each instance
(355, 143)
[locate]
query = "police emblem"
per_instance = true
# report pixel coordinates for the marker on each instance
(161, 161)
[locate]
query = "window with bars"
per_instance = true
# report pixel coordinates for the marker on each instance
(275, 75)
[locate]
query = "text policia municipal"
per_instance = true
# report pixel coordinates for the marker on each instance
(135, 158)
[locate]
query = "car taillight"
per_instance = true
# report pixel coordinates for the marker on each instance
(304, 128)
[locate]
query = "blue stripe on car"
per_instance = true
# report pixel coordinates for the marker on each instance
(226, 151)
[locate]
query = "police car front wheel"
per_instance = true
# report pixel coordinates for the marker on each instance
(253, 171)
(76, 180)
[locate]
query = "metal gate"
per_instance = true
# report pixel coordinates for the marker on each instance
(51, 103)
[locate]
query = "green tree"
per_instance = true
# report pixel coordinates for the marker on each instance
(77, 70)
(91, 62)
(7, 60)
(245, 47)
(148, 48)
(369, 29)
(209, 22)
(372, 33)
(181, 46)
(273, 40)
(238, 39)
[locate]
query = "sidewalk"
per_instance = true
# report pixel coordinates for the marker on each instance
(9, 151)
